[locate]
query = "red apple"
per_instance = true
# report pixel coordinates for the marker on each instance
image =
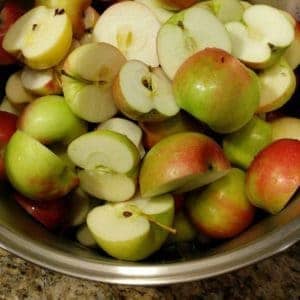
(51, 214)
(274, 175)
(10, 12)
(177, 4)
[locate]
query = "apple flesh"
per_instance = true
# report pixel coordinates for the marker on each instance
(285, 128)
(130, 230)
(274, 175)
(132, 28)
(36, 172)
(217, 89)
(292, 54)
(84, 237)
(186, 33)
(144, 93)
(221, 210)
(8, 107)
(25, 39)
(180, 163)
(241, 146)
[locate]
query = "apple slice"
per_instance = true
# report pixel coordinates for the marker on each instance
(26, 37)
(104, 148)
(84, 237)
(144, 93)
(41, 82)
(8, 107)
(35, 171)
(262, 36)
(292, 54)
(286, 128)
(185, 34)
(92, 102)
(15, 90)
(90, 18)
(277, 85)
(181, 162)
(176, 5)
(228, 10)
(132, 28)
(134, 229)
(102, 62)
(40, 118)
(162, 14)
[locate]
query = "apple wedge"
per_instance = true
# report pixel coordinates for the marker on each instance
(26, 37)
(84, 237)
(102, 62)
(262, 36)
(90, 19)
(92, 102)
(292, 54)
(41, 82)
(228, 10)
(8, 107)
(285, 128)
(144, 93)
(277, 85)
(35, 171)
(180, 163)
(131, 27)
(134, 229)
(186, 33)
(40, 118)
(15, 90)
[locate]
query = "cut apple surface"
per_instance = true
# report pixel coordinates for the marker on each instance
(131, 27)
(185, 34)
(104, 148)
(92, 102)
(144, 93)
(261, 37)
(41, 82)
(132, 230)
(35, 171)
(292, 54)
(102, 62)
(277, 85)
(8, 107)
(26, 37)
(227, 10)
(285, 128)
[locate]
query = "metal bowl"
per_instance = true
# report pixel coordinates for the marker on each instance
(20, 235)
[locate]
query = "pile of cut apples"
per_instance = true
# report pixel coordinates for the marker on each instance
(149, 122)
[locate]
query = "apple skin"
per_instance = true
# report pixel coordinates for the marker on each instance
(241, 146)
(217, 89)
(170, 164)
(177, 4)
(41, 117)
(274, 175)
(10, 12)
(222, 210)
(35, 171)
(8, 126)
(51, 214)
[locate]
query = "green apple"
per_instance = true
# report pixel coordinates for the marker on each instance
(35, 171)
(217, 89)
(261, 37)
(50, 120)
(221, 210)
(74, 9)
(131, 27)
(241, 146)
(274, 175)
(134, 229)
(286, 128)
(186, 33)
(41, 37)
(277, 85)
(144, 93)
(181, 162)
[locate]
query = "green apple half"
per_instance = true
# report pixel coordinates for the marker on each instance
(35, 171)
(186, 33)
(42, 37)
(134, 229)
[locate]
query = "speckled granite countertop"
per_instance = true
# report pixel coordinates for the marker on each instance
(274, 278)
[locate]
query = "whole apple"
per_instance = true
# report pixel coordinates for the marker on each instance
(217, 89)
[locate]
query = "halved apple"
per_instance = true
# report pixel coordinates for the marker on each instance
(262, 36)
(41, 82)
(134, 229)
(186, 33)
(181, 162)
(277, 85)
(35, 171)
(15, 90)
(131, 27)
(26, 37)
(144, 93)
